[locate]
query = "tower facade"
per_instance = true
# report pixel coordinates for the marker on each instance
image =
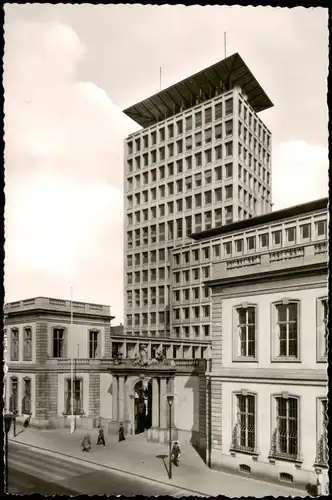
(201, 160)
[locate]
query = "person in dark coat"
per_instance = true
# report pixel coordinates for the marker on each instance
(121, 432)
(101, 437)
(86, 443)
(27, 422)
(176, 452)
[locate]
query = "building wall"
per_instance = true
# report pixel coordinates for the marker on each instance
(266, 330)
(62, 377)
(20, 376)
(308, 435)
(106, 395)
(232, 186)
(78, 338)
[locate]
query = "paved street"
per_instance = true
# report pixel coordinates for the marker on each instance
(30, 471)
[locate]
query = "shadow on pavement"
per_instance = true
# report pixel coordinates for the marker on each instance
(162, 457)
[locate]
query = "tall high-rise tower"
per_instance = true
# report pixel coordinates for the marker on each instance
(201, 159)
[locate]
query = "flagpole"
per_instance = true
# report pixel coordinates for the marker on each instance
(72, 423)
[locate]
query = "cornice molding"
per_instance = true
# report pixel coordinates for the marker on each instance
(282, 376)
(270, 275)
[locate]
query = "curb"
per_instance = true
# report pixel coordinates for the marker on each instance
(197, 493)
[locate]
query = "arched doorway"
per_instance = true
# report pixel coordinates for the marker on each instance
(143, 406)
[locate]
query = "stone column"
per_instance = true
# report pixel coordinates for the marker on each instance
(163, 404)
(155, 403)
(114, 399)
(121, 398)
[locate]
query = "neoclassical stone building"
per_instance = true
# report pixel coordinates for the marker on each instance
(40, 343)
(267, 412)
(109, 386)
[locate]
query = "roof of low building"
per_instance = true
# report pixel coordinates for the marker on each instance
(285, 213)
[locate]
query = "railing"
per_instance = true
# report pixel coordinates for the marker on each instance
(57, 302)
(237, 445)
(78, 361)
(321, 248)
(280, 442)
(254, 260)
(186, 362)
(286, 254)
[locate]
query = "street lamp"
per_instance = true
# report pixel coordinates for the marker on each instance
(170, 399)
(8, 417)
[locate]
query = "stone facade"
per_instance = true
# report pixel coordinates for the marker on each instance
(51, 376)
(94, 394)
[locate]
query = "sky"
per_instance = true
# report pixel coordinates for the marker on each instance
(69, 70)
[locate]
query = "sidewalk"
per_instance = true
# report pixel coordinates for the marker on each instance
(148, 460)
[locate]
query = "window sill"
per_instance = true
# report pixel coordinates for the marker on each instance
(285, 458)
(245, 359)
(253, 453)
(286, 360)
(323, 359)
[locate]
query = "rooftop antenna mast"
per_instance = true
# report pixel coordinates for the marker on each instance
(160, 77)
(225, 43)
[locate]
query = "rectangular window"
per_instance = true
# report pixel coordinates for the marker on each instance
(14, 345)
(227, 248)
(208, 156)
(77, 397)
(198, 139)
(305, 231)
(179, 126)
(218, 111)
(276, 238)
(229, 128)
(238, 246)
(218, 174)
(189, 123)
(218, 195)
(287, 330)
(251, 242)
(58, 342)
(26, 400)
(228, 107)
(216, 251)
(264, 240)
(244, 433)
(218, 152)
(229, 148)
(198, 119)
(228, 170)
(218, 132)
(208, 115)
(208, 135)
(321, 228)
(198, 159)
(286, 445)
(189, 143)
(189, 163)
(179, 146)
(93, 344)
(198, 180)
(246, 327)
(290, 235)
(13, 399)
(228, 192)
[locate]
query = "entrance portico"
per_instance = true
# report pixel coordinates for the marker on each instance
(139, 398)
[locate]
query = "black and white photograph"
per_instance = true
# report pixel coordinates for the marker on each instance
(166, 250)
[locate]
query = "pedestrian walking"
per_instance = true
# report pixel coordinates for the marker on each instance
(176, 453)
(101, 437)
(121, 432)
(27, 422)
(86, 443)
